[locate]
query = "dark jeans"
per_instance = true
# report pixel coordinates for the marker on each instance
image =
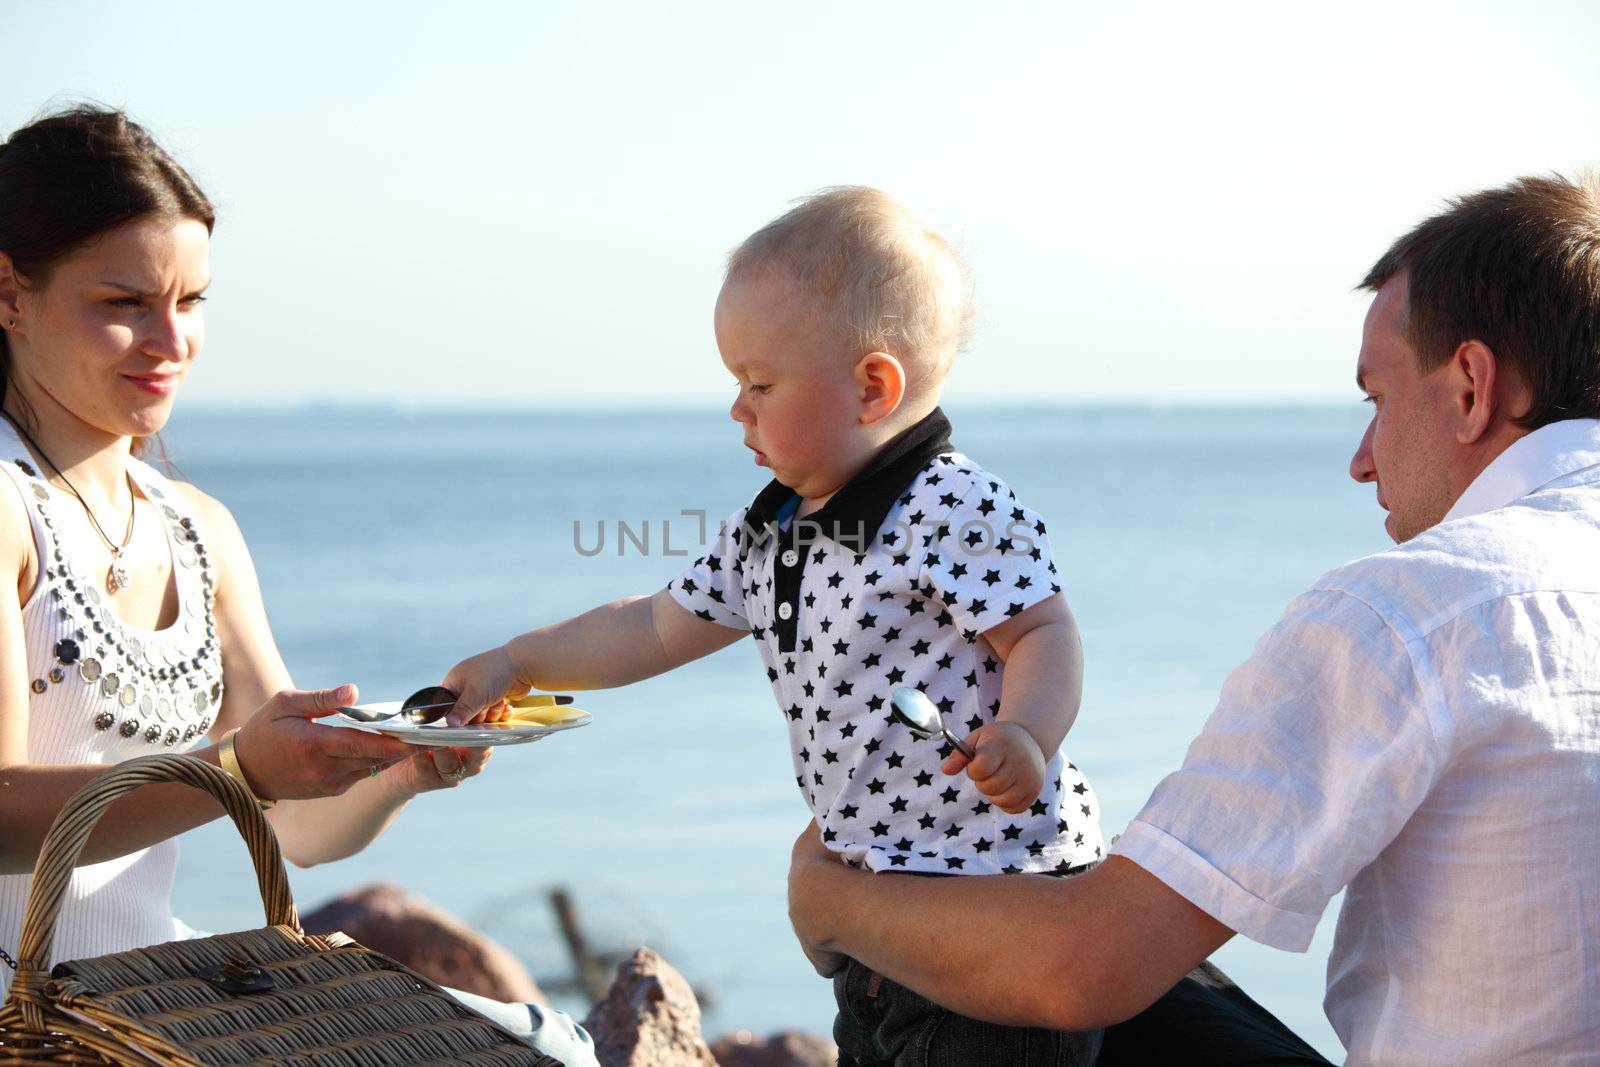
(884, 1024)
(1205, 1019)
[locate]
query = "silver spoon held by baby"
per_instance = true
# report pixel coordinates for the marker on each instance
(914, 711)
(428, 704)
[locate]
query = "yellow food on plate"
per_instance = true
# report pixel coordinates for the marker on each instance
(541, 711)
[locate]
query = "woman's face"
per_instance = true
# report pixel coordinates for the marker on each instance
(111, 335)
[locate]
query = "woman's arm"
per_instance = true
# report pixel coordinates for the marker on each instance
(322, 829)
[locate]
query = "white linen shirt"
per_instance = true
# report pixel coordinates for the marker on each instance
(1423, 727)
(892, 584)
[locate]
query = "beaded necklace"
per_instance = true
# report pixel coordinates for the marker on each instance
(117, 577)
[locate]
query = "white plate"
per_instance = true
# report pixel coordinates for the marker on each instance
(478, 735)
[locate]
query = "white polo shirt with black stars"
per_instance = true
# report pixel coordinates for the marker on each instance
(894, 583)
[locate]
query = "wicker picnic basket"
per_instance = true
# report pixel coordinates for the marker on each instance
(275, 995)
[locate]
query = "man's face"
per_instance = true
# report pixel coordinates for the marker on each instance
(1408, 444)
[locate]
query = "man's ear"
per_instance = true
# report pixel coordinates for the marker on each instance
(881, 385)
(1485, 391)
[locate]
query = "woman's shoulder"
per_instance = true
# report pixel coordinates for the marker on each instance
(215, 521)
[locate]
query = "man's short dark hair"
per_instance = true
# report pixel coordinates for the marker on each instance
(1517, 268)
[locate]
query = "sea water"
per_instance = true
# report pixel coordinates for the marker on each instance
(391, 544)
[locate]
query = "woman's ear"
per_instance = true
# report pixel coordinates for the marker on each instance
(881, 384)
(11, 287)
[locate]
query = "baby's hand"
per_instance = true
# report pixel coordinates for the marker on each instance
(1007, 767)
(484, 682)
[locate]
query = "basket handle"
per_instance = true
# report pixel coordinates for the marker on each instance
(70, 831)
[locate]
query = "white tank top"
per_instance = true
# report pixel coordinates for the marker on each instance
(102, 691)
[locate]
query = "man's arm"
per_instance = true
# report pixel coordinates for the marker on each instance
(1024, 950)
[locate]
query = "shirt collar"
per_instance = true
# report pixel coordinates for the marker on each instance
(854, 513)
(1553, 451)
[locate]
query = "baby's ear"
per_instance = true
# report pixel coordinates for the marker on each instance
(881, 384)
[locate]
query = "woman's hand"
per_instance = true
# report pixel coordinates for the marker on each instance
(437, 768)
(484, 682)
(285, 756)
(809, 861)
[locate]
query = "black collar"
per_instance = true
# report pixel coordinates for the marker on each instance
(854, 514)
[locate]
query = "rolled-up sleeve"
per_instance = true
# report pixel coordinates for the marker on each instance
(1323, 744)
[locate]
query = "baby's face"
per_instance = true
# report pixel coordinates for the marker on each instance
(798, 400)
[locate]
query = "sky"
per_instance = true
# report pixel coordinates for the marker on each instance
(529, 204)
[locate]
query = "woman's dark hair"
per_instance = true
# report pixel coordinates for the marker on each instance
(70, 177)
(1517, 268)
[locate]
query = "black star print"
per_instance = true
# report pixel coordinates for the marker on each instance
(952, 832)
(834, 580)
(805, 644)
(874, 702)
(872, 660)
(891, 634)
(1008, 869)
(951, 795)
(990, 665)
(898, 805)
(958, 570)
(946, 705)
(971, 679)
(915, 607)
(867, 621)
(897, 861)
(1012, 833)
(879, 829)
(1085, 809)
(920, 647)
(875, 786)
(944, 662)
(793, 712)
(809, 688)
(846, 601)
(788, 665)
(817, 778)
(1005, 546)
(901, 560)
(1038, 807)
(1079, 789)
(978, 607)
(818, 556)
(772, 674)
(1013, 610)
(926, 822)
(811, 600)
(829, 835)
(955, 863)
(713, 562)
(949, 500)
(903, 845)
(974, 722)
(689, 585)
(840, 648)
(982, 845)
(896, 675)
(706, 615)
(825, 625)
(923, 778)
(871, 578)
(822, 714)
(895, 760)
(872, 745)
(848, 730)
(848, 811)
(1024, 581)
(991, 577)
(830, 755)
(843, 689)
(982, 807)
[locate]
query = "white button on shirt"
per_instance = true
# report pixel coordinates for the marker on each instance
(1423, 727)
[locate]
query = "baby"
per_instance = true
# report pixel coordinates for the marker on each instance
(878, 557)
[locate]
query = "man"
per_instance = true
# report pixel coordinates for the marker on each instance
(1421, 729)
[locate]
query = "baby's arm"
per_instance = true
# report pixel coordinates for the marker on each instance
(614, 644)
(1042, 686)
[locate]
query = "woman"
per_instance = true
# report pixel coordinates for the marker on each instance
(135, 622)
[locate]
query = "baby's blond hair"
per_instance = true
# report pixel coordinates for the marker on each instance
(888, 278)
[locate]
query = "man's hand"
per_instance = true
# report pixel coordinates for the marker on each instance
(810, 858)
(1007, 766)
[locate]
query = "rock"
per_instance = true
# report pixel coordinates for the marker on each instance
(428, 939)
(787, 1049)
(650, 1018)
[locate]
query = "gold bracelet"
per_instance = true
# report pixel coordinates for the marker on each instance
(230, 763)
